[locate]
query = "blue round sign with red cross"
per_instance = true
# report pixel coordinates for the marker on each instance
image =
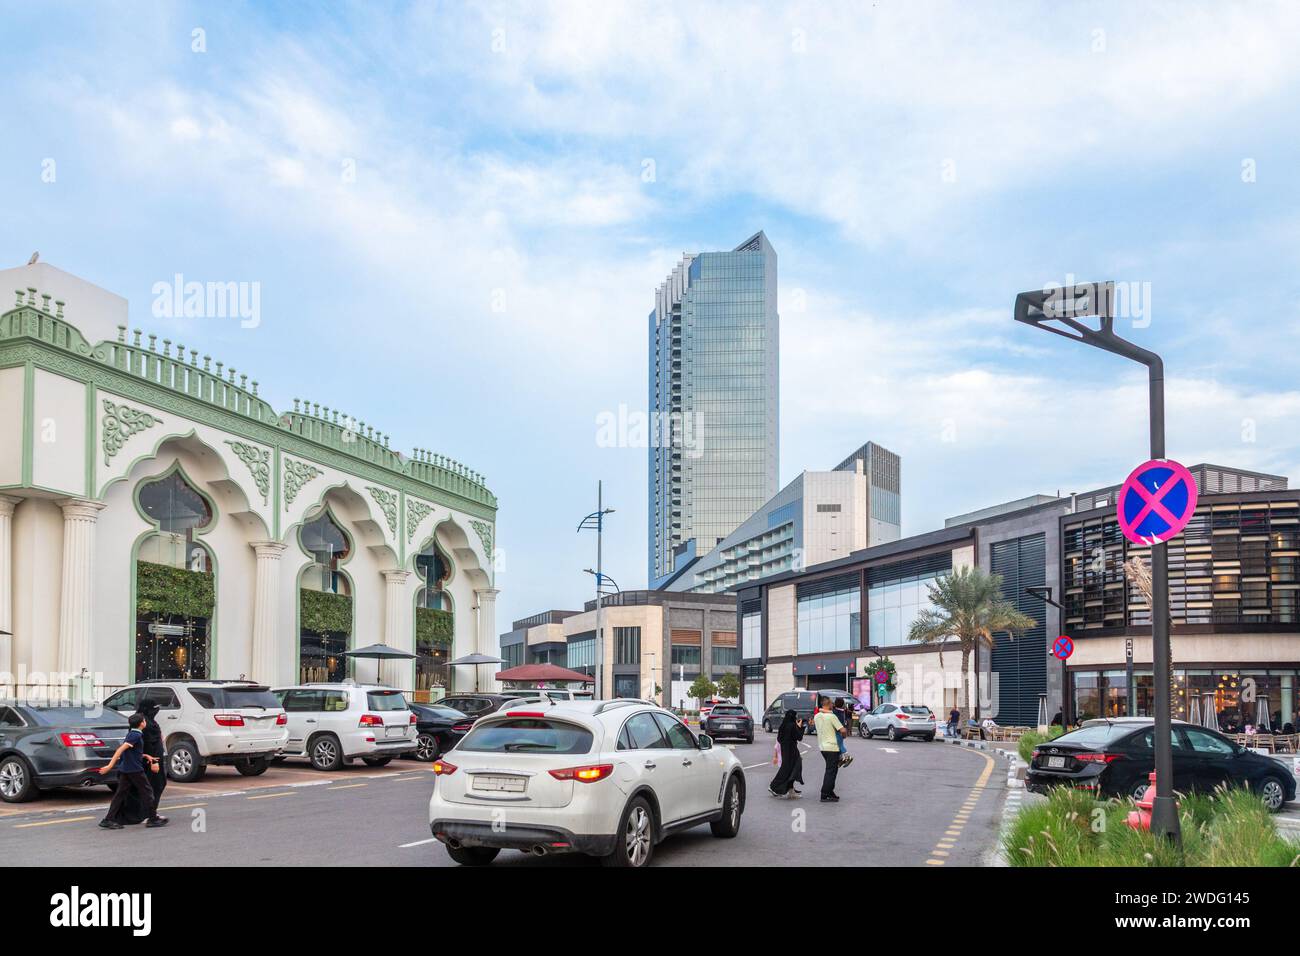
(1063, 648)
(1156, 502)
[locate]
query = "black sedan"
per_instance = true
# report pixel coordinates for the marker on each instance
(1114, 758)
(48, 745)
(438, 729)
(729, 720)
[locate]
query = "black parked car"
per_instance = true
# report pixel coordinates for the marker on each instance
(476, 705)
(438, 729)
(48, 745)
(1115, 758)
(729, 720)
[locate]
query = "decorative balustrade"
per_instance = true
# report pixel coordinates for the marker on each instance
(214, 383)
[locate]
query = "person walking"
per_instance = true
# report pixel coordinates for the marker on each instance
(131, 778)
(828, 728)
(787, 738)
(954, 719)
(841, 712)
(133, 810)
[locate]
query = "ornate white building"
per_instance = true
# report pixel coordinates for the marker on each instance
(159, 519)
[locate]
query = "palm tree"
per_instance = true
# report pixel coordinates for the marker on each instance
(967, 605)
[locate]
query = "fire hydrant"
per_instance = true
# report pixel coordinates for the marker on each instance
(1140, 819)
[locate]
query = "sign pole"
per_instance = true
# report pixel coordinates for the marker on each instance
(1128, 668)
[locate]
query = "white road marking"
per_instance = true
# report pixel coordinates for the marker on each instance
(888, 750)
(754, 765)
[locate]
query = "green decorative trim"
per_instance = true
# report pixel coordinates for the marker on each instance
(387, 502)
(120, 423)
(434, 626)
(160, 589)
(29, 421)
(258, 461)
(323, 612)
(484, 532)
(297, 474)
(90, 441)
(416, 511)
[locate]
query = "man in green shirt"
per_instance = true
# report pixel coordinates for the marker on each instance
(828, 726)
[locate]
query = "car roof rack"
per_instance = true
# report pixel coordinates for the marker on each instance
(622, 702)
(199, 680)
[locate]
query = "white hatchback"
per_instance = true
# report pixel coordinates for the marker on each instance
(333, 724)
(606, 778)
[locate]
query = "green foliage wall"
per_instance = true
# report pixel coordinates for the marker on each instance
(324, 613)
(160, 589)
(433, 626)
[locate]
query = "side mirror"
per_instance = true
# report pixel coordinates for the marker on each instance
(706, 742)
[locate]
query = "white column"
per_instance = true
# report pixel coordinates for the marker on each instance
(486, 640)
(7, 506)
(77, 591)
(397, 629)
(262, 657)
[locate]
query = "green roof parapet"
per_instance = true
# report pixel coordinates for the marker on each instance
(32, 322)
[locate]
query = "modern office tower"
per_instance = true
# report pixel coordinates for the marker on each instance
(713, 371)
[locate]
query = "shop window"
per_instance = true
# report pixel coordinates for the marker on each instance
(434, 622)
(324, 602)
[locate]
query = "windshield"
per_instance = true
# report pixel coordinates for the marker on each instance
(75, 717)
(250, 697)
(724, 709)
(924, 711)
(1097, 736)
(382, 700)
(527, 735)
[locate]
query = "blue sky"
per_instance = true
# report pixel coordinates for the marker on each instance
(915, 165)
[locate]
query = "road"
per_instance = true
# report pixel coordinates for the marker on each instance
(903, 804)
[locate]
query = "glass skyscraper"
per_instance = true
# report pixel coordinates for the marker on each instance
(713, 397)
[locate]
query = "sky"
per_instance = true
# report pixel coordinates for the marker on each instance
(457, 216)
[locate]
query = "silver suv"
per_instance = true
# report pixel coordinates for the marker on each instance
(205, 722)
(333, 724)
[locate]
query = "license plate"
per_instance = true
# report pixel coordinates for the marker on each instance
(500, 784)
(731, 726)
(1056, 762)
(395, 731)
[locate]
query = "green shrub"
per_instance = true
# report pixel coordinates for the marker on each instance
(1072, 828)
(1033, 738)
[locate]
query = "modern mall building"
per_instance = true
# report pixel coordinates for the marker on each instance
(819, 516)
(1235, 634)
(656, 642)
(159, 519)
(713, 398)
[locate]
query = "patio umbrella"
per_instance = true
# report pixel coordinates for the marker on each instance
(474, 660)
(378, 653)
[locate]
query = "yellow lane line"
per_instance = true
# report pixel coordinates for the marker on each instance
(50, 823)
(348, 786)
(268, 796)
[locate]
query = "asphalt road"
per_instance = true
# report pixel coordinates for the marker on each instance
(902, 804)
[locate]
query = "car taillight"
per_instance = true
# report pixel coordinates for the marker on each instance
(228, 720)
(443, 769)
(281, 720)
(1096, 758)
(414, 719)
(465, 726)
(525, 713)
(81, 740)
(371, 720)
(901, 715)
(589, 774)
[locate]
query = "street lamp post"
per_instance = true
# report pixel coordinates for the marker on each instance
(596, 522)
(1067, 306)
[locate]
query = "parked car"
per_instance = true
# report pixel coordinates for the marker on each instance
(729, 720)
(804, 704)
(606, 778)
(49, 745)
(897, 721)
(1115, 758)
(437, 730)
(211, 722)
(477, 705)
(334, 724)
(706, 707)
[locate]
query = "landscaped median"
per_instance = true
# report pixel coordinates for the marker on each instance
(1072, 828)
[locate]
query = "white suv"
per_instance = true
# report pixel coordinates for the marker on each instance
(333, 724)
(607, 778)
(206, 722)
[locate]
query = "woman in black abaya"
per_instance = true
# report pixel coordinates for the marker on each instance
(132, 810)
(791, 772)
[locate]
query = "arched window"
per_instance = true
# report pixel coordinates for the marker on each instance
(175, 588)
(324, 602)
(434, 622)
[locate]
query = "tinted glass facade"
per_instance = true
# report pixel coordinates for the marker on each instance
(1021, 661)
(713, 397)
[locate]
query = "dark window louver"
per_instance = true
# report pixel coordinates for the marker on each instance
(840, 582)
(1020, 663)
(929, 564)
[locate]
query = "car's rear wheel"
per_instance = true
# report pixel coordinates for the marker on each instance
(1138, 789)
(893, 733)
(326, 753)
(17, 782)
(634, 844)
(749, 739)
(928, 738)
(253, 767)
(767, 727)
(426, 748)
(376, 761)
(863, 732)
(184, 762)
(732, 803)
(473, 855)
(1273, 792)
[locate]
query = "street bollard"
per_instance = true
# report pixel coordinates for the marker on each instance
(1140, 819)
